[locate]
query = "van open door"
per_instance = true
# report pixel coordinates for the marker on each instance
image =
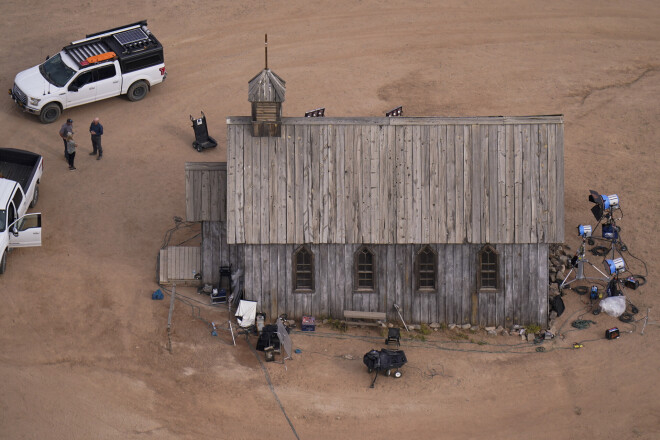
(26, 231)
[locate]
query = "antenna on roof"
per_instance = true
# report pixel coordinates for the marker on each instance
(266, 49)
(318, 113)
(398, 111)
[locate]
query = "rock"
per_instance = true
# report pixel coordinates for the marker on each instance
(491, 332)
(554, 261)
(466, 326)
(451, 326)
(553, 290)
(530, 337)
(553, 315)
(499, 329)
(383, 325)
(325, 321)
(434, 325)
(413, 327)
(488, 329)
(523, 337)
(390, 325)
(561, 276)
(505, 333)
(474, 328)
(564, 260)
(348, 356)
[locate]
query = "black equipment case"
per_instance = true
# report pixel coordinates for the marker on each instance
(202, 138)
(384, 361)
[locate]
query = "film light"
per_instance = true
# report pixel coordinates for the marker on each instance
(584, 231)
(615, 266)
(603, 203)
(610, 202)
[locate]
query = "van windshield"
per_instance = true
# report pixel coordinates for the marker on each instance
(3, 216)
(56, 71)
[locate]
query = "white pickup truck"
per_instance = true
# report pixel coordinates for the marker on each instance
(20, 174)
(123, 61)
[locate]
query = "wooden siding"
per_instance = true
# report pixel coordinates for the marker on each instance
(521, 297)
(206, 191)
(215, 252)
(397, 180)
(179, 264)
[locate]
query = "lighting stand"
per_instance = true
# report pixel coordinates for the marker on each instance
(647, 321)
(579, 269)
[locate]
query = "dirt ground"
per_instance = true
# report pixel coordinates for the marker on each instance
(83, 347)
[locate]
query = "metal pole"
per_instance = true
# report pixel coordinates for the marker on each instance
(398, 310)
(169, 319)
(646, 320)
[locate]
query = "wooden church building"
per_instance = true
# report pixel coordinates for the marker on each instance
(449, 218)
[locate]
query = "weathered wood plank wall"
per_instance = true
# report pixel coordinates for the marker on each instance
(206, 191)
(520, 299)
(391, 180)
(215, 252)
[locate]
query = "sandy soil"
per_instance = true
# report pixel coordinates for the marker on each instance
(83, 347)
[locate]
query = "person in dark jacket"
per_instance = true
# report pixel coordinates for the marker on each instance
(96, 130)
(67, 127)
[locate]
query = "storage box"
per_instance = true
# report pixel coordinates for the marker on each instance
(308, 324)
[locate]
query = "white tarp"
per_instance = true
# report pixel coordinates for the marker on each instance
(246, 313)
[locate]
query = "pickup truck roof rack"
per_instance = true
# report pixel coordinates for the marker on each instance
(129, 40)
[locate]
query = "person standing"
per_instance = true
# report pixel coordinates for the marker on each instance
(96, 130)
(71, 150)
(67, 127)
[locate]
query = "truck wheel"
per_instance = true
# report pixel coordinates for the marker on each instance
(3, 262)
(50, 113)
(137, 90)
(35, 197)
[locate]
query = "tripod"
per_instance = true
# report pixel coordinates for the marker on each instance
(578, 268)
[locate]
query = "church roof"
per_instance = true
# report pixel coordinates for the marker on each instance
(266, 87)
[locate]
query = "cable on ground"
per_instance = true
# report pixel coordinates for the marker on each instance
(272, 388)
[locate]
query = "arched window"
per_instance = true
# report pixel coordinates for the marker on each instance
(426, 269)
(365, 270)
(303, 270)
(488, 268)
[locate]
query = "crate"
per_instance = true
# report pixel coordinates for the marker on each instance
(308, 324)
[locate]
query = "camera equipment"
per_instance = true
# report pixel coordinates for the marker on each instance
(584, 231)
(610, 231)
(612, 333)
(577, 266)
(613, 288)
(615, 266)
(631, 283)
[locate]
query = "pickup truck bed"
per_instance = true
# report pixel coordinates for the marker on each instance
(18, 165)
